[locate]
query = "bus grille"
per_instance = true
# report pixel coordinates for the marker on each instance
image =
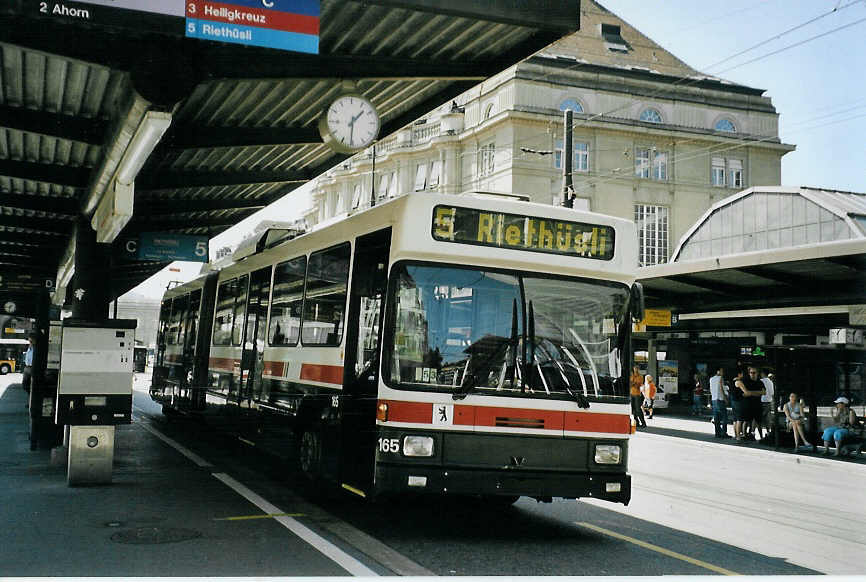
(520, 422)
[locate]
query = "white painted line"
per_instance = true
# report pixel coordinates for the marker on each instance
(176, 445)
(334, 553)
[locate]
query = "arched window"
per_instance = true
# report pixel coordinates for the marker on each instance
(651, 116)
(488, 111)
(726, 125)
(571, 104)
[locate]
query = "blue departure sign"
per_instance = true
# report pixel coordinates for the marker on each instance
(280, 24)
(166, 246)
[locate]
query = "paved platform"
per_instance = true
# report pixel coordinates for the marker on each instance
(675, 424)
(166, 516)
(156, 496)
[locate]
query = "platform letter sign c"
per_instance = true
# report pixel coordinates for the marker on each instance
(268, 4)
(132, 246)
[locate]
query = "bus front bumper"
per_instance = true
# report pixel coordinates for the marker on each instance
(401, 479)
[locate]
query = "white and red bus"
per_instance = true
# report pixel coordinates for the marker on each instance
(473, 344)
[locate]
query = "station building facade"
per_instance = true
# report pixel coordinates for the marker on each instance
(655, 140)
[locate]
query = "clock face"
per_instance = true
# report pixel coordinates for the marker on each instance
(350, 123)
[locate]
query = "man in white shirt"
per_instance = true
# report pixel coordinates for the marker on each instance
(719, 397)
(27, 372)
(767, 408)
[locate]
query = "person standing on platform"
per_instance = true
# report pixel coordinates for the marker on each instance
(752, 389)
(635, 382)
(768, 407)
(698, 396)
(27, 372)
(737, 405)
(649, 393)
(719, 397)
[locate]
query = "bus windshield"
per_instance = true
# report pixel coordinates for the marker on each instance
(505, 333)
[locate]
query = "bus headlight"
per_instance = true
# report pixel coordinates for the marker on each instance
(607, 454)
(418, 446)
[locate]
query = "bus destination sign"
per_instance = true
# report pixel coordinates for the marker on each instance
(527, 233)
(291, 25)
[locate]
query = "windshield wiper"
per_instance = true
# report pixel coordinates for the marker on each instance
(592, 367)
(497, 345)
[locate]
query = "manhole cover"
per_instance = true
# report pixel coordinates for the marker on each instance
(154, 535)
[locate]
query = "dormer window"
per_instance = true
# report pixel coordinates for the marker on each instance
(613, 39)
(571, 104)
(651, 116)
(726, 125)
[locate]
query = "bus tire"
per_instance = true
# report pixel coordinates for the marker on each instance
(168, 412)
(5, 369)
(310, 453)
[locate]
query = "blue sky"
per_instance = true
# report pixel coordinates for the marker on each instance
(818, 88)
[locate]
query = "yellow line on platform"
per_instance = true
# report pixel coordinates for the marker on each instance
(263, 516)
(658, 549)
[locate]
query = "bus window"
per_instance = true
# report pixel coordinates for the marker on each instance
(225, 309)
(175, 325)
(325, 297)
(240, 307)
(191, 324)
(285, 325)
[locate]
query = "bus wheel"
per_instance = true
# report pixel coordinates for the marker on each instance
(5, 369)
(310, 453)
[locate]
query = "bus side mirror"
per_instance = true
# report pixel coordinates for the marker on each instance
(637, 302)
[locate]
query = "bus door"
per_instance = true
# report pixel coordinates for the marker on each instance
(361, 366)
(188, 348)
(255, 329)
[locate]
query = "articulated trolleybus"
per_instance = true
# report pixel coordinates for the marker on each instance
(458, 345)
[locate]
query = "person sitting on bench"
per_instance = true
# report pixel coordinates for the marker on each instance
(844, 421)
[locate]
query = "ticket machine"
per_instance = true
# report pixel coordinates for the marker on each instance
(94, 393)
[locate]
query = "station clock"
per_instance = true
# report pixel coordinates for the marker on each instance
(350, 123)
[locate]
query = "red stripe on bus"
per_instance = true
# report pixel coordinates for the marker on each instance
(322, 373)
(464, 415)
(226, 364)
(598, 422)
(555, 420)
(274, 369)
(417, 412)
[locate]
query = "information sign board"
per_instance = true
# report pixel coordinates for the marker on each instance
(15, 282)
(161, 246)
(280, 24)
(658, 317)
(668, 376)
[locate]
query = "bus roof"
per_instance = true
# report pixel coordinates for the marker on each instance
(411, 218)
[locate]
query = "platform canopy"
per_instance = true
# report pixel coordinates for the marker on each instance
(768, 258)
(82, 80)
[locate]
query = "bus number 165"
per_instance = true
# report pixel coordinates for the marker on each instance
(389, 445)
